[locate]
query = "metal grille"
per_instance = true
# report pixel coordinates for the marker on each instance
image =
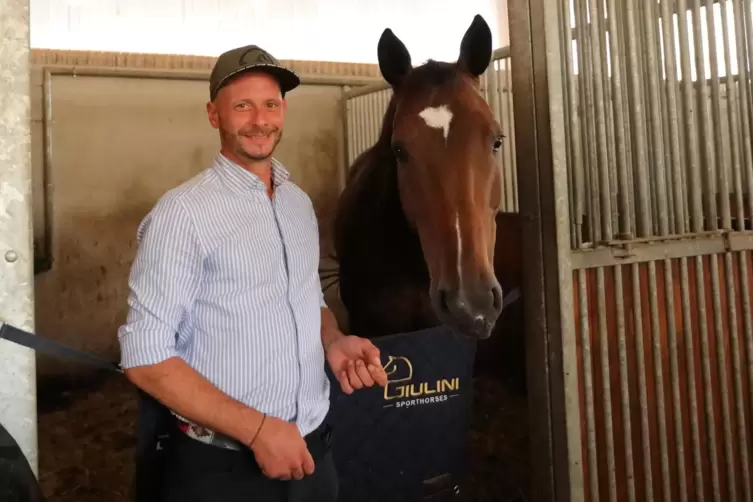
(365, 107)
(657, 110)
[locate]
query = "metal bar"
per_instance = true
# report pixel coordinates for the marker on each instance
(734, 132)
(556, 444)
(513, 141)
(588, 387)
(606, 385)
(744, 34)
(569, 107)
(345, 144)
(684, 89)
(719, 164)
(372, 114)
(661, 413)
(624, 384)
(198, 75)
(625, 223)
(655, 116)
(576, 156)
(504, 157)
(687, 333)
(350, 136)
(47, 259)
(589, 138)
(674, 377)
(721, 361)
(608, 40)
(673, 121)
(692, 162)
(367, 89)
(501, 53)
(708, 396)
(639, 123)
(684, 246)
(704, 134)
(748, 327)
(625, 69)
(642, 385)
(748, 36)
(735, 140)
(742, 66)
(18, 412)
(357, 126)
(736, 401)
(602, 165)
(743, 54)
(363, 118)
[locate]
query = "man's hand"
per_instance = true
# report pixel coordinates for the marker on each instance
(280, 450)
(355, 362)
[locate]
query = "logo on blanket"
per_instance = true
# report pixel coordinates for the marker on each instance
(401, 392)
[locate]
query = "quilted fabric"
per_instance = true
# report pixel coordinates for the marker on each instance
(393, 447)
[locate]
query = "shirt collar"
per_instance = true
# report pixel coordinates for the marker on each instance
(244, 180)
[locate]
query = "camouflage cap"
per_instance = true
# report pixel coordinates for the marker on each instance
(250, 57)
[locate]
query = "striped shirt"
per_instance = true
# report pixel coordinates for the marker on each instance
(227, 279)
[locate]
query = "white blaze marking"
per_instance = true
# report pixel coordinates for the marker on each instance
(438, 117)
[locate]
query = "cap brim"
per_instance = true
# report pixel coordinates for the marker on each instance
(287, 78)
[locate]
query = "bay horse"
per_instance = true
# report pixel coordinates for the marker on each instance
(418, 235)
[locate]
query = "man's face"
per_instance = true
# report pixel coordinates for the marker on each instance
(249, 113)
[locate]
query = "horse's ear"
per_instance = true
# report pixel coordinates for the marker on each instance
(476, 47)
(394, 58)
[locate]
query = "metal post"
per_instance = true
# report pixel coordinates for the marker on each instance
(18, 407)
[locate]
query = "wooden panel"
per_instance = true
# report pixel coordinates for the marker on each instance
(672, 453)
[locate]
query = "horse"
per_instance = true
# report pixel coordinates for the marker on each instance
(418, 234)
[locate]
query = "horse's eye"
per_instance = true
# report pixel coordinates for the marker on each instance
(497, 144)
(399, 150)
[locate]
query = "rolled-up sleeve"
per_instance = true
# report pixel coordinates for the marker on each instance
(163, 284)
(322, 303)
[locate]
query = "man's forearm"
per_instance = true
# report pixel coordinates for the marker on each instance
(330, 331)
(188, 393)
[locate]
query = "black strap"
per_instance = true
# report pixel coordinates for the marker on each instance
(50, 347)
(511, 297)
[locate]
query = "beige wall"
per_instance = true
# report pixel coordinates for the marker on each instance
(117, 144)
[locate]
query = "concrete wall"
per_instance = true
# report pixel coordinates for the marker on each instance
(17, 364)
(116, 145)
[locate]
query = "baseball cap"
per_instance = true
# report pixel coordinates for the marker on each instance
(250, 57)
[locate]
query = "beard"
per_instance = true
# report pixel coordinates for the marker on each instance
(235, 141)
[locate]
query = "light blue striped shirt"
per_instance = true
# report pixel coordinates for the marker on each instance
(227, 279)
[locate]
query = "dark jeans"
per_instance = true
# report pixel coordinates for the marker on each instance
(198, 472)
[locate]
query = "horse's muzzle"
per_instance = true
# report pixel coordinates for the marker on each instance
(472, 312)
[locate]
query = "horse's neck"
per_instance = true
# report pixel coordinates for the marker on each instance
(375, 214)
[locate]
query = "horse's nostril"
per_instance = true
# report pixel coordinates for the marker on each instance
(496, 298)
(443, 301)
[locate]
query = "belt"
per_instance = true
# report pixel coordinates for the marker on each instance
(207, 436)
(318, 440)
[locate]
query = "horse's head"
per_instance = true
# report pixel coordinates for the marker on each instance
(444, 137)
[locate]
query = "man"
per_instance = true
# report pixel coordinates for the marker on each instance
(227, 326)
